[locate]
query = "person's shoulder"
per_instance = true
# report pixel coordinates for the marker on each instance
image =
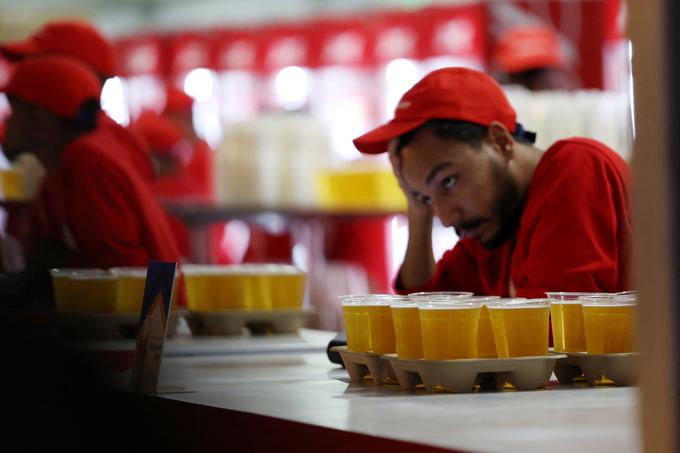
(581, 156)
(96, 151)
(580, 149)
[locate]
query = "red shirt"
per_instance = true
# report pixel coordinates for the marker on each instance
(133, 148)
(193, 178)
(574, 234)
(98, 206)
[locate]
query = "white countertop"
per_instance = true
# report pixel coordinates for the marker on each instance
(301, 385)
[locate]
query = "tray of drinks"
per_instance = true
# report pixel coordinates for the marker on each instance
(454, 341)
(233, 322)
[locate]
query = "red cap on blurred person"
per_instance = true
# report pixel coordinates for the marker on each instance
(524, 48)
(177, 101)
(70, 37)
(59, 84)
(161, 134)
(460, 94)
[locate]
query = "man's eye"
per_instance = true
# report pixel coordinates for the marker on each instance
(448, 182)
(425, 200)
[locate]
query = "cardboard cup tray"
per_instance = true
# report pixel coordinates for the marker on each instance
(458, 376)
(361, 364)
(232, 322)
(621, 368)
(106, 326)
(462, 375)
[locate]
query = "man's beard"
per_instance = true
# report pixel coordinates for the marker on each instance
(509, 206)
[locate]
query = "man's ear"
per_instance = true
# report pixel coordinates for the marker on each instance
(501, 139)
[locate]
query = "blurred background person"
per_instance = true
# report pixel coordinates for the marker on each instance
(93, 208)
(84, 42)
(530, 56)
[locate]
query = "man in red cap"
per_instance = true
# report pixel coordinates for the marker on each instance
(531, 56)
(529, 221)
(93, 209)
(84, 42)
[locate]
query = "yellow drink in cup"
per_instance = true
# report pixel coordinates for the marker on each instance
(381, 327)
(407, 333)
(287, 287)
(93, 292)
(130, 289)
(61, 281)
(11, 184)
(449, 328)
(609, 324)
(486, 345)
(226, 288)
(520, 326)
(194, 284)
(357, 325)
(567, 320)
(257, 290)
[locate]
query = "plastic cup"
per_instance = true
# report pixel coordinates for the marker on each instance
(486, 345)
(11, 184)
(424, 296)
(357, 324)
(520, 326)
(194, 285)
(381, 324)
(287, 287)
(567, 320)
(226, 288)
(130, 283)
(92, 292)
(608, 324)
(61, 281)
(257, 292)
(449, 328)
(407, 332)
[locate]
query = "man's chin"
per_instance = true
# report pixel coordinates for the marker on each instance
(495, 241)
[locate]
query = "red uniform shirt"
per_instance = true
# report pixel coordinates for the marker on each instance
(574, 234)
(193, 178)
(132, 146)
(98, 206)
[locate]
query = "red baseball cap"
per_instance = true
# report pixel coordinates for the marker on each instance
(161, 134)
(70, 37)
(59, 84)
(524, 48)
(178, 101)
(460, 94)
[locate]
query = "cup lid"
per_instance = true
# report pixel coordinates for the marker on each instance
(612, 300)
(518, 302)
(572, 296)
(440, 293)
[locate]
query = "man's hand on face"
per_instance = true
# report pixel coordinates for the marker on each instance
(415, 204)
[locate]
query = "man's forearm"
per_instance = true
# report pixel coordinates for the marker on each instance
(419, 265)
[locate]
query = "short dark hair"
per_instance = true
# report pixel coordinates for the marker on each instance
(86, 117)
(461, 131)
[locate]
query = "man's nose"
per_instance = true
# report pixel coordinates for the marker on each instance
(449, 215)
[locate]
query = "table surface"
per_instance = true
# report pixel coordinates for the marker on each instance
(290, 378)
